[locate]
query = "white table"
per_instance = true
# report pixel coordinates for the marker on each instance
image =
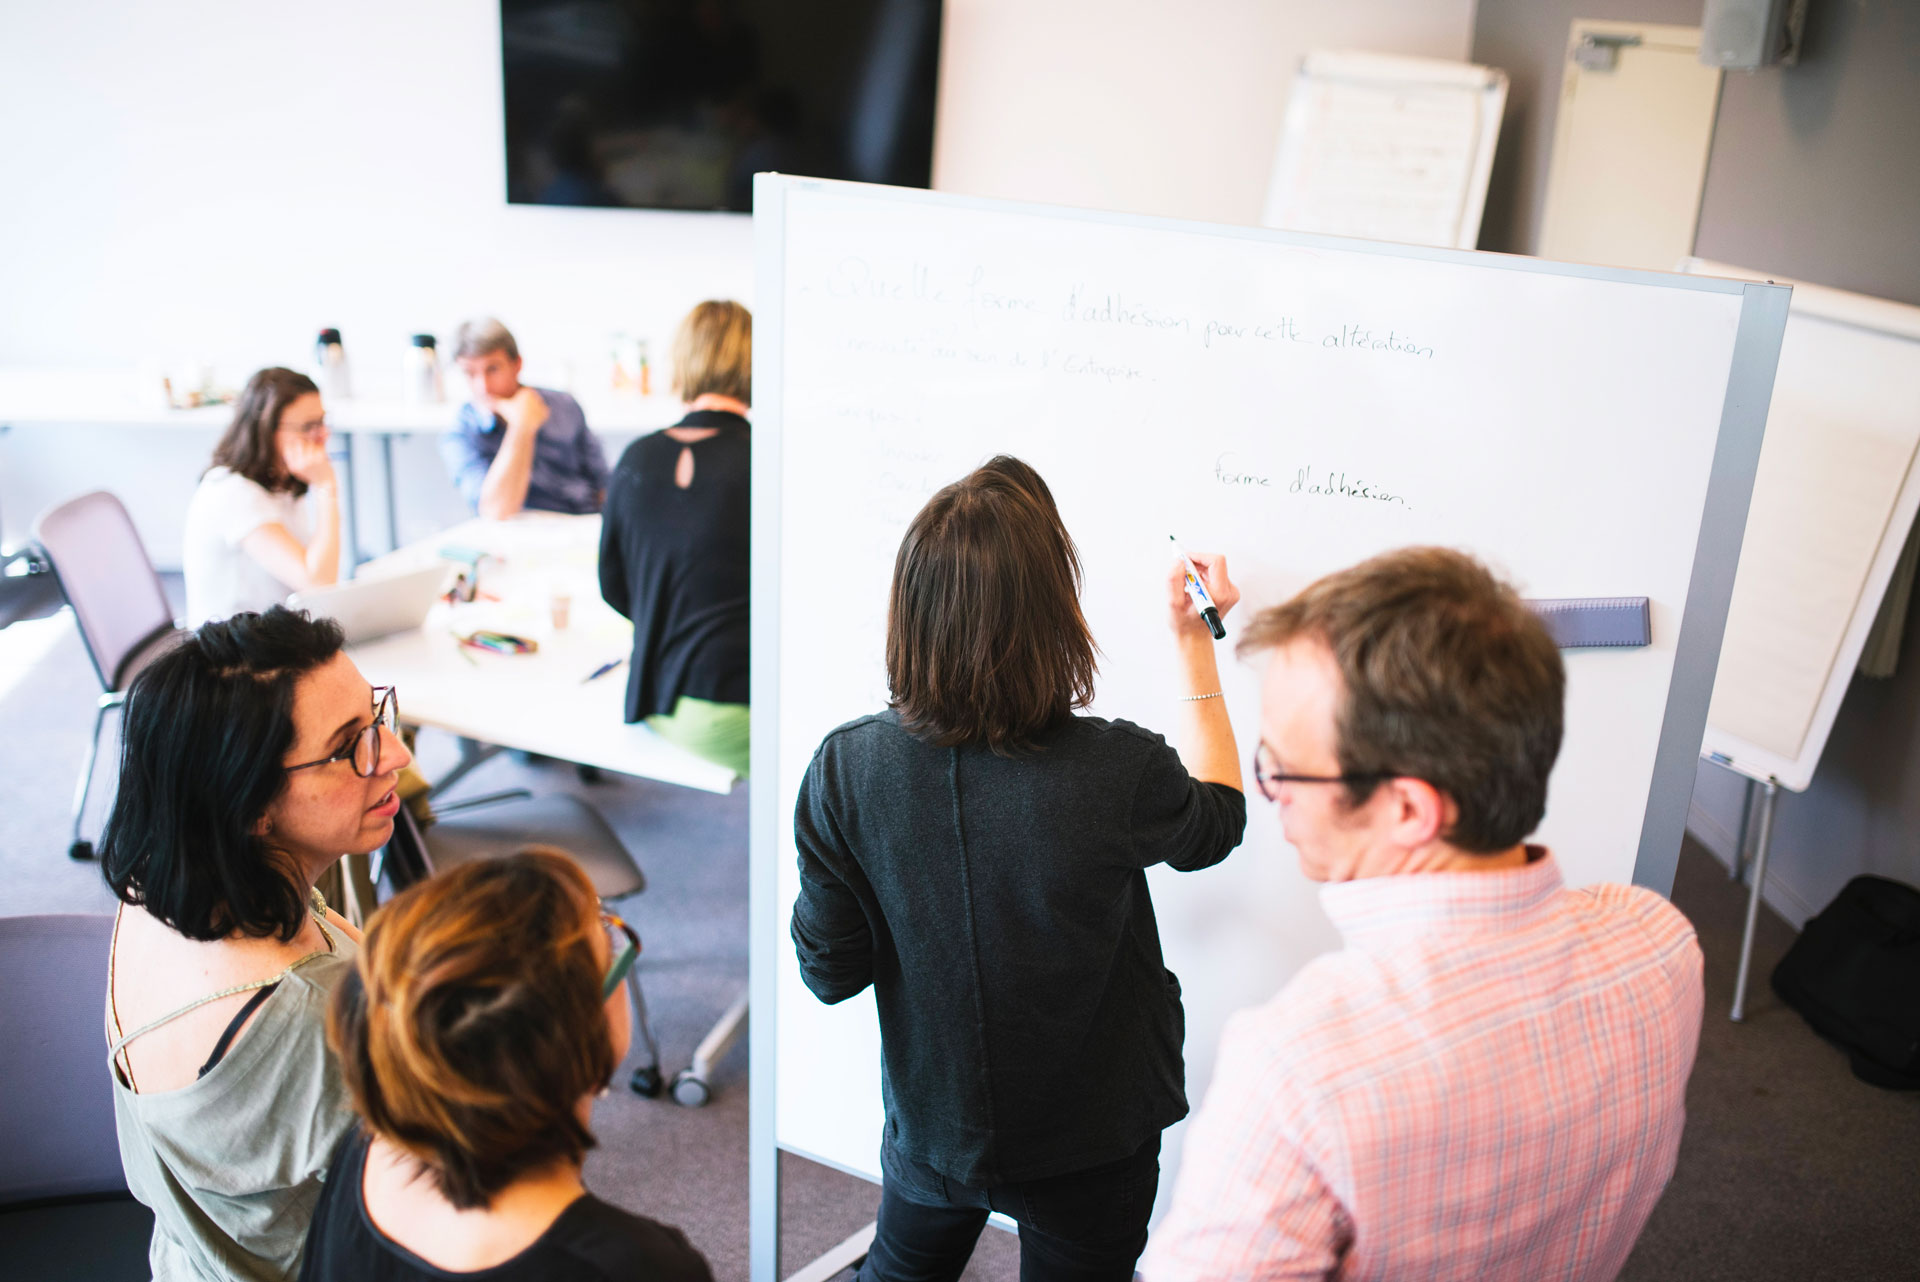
(538, 702)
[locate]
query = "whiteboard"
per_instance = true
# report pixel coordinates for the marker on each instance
(1836, 492)
(1296, 402)
(1386, 147)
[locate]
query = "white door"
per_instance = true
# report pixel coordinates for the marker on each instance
(1630, 146)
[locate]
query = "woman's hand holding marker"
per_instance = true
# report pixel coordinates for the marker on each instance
(1198, 583)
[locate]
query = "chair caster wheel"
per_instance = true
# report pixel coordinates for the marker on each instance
(690, 1091)
(590, 774)
(80, 850)
(645, 1081)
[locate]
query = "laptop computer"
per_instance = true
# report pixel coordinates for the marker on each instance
(367, 609)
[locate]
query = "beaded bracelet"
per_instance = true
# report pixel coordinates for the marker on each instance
(1191, 698)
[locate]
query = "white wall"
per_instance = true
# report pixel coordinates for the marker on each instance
(212, 181)
(217, 179)
(1149, 106)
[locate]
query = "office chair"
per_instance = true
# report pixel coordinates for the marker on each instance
(123, 615)
(515, 819)
(20, 562)
(65, 1211)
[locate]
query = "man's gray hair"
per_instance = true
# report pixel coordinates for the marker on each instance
(478, 337)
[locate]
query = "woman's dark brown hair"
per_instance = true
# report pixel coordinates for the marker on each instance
(473, 1022)
(249, 447)
(985, 639)
(207, 725)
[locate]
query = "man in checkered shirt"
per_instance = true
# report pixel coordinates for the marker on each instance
(1488, 1080)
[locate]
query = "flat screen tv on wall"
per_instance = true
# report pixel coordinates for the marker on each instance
(676, 104)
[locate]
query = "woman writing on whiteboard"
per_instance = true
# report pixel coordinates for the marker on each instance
(977, 853)
(673, 548)
(265, 520)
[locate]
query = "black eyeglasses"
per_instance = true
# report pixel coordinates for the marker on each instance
(1268, 780)
(363, 750)
(625, 953)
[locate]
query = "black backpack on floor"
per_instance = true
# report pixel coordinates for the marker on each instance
(1854, 973)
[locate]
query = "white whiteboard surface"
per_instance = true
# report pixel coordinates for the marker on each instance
(1836, 492)
(1296, 402)
(1387, 148)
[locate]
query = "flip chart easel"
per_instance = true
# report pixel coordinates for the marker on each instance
(1837, 490)
(1387, 147)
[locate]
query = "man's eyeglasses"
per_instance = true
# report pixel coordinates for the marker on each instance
(626, 952)
(363, 750)
(1267, 776)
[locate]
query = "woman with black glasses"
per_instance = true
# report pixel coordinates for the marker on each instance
(483, 1017)
(977, 853)
(255, 755)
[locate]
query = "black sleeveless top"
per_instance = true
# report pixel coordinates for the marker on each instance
(675, 562)
(590, 1242)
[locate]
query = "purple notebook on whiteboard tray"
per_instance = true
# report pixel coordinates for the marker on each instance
(1575, 622)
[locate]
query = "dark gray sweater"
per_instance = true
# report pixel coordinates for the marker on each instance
(999, 907)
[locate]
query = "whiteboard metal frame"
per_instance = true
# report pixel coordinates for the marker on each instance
(1728, 750)
(1743, 416)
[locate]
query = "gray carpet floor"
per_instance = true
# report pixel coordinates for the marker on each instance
(1790, 1168)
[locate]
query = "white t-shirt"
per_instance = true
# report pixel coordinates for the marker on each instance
(221, 578)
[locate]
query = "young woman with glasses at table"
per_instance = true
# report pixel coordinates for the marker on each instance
(265, 520)
(255, 755)
(978, 854)
(484, 1015)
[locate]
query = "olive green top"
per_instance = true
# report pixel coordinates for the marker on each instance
(231, 1164)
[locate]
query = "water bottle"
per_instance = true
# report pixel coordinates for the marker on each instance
(422, 378)
(330, 366)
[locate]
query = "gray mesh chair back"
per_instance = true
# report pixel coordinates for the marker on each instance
(559, 820)
(103, 570)
(109, 581)
(56, 1114)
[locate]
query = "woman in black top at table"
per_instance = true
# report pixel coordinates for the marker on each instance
(484, 1013)
(673, 549)
(978, 853)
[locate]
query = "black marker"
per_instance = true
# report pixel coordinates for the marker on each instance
(1198, 592)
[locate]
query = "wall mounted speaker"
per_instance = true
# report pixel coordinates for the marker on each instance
(1745, 35)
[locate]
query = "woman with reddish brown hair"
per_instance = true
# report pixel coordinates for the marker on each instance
(484, 1015)
(977, 853)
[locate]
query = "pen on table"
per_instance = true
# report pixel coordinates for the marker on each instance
(1197, 592)
(602, 670)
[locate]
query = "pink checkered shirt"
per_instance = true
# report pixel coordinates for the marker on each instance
(1487, 1082)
